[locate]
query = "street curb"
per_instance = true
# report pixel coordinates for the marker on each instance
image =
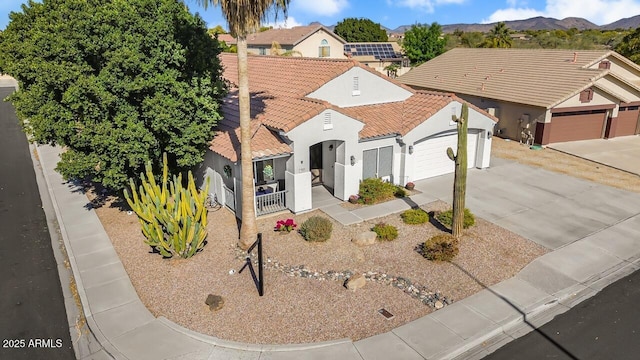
(543, 314)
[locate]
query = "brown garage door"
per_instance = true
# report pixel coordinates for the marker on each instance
(627, 120)
(577, 125)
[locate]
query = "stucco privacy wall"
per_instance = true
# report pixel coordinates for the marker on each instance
(372, 89)
(441, 122)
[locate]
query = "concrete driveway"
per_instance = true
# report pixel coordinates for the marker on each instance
(546, 207)
(622, 153)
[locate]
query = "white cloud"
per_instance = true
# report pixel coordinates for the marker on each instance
(287, 23)
(512, 14)
(322, 7)
(426, 5)
(599, 12)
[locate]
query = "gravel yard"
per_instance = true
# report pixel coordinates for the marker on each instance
(297, 308)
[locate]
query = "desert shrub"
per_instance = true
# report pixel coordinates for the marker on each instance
(385, 231)
(400, 192)
(442, 247)
(316, 228)
(446, 218)
(415, 216)
(373, 190)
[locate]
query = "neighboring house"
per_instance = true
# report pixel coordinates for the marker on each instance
(545, 96)
(333, 123)
(384, 57)
(307, 41)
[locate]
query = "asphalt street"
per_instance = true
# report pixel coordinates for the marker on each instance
(33, 320)
(606, 326)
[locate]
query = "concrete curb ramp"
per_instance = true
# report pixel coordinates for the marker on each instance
(469, 329)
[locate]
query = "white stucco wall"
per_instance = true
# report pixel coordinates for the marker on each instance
(373, 89)
(343, 134)
(441, 122)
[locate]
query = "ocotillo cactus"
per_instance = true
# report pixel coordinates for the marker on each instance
(173, 218)
(460, 179)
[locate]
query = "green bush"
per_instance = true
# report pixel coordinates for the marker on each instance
(442, 247)
(373, 190)
(400, 192)
(316, 228)
(415, 216)
(385, 231)
(446, 218)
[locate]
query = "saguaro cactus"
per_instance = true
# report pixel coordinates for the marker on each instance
(460, 179)
(173, 218)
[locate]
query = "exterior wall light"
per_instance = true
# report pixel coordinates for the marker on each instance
(489, 134)
(353, 160)
(410, 149)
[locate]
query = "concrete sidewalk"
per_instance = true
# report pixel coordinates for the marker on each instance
(467, 329)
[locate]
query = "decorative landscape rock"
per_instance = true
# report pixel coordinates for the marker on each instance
(365, 239)
(413, 289)
(438, 305)
(215, 302)
(356, 282)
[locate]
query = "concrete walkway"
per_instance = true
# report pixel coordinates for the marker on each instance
(583, 262)
(621, 152)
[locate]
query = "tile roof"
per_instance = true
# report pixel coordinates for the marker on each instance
(537, 77)
(398, 117)
(227, 38)
(279, 87)
(287, 37)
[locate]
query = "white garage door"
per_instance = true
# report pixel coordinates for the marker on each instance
(430, 155)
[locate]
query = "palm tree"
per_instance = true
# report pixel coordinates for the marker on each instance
(499, 37)
(244, 17)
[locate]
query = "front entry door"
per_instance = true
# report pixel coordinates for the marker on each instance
(315, 163)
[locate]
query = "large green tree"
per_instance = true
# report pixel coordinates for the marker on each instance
(244, 17)
(422, 43)
(360, 30)
(117, 83)
(630, 46)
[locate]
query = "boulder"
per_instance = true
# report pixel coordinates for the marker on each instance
(365, 239)
(215, 302)
(355, 282)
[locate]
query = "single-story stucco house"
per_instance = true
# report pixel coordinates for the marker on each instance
(332, 123)
(540, 95)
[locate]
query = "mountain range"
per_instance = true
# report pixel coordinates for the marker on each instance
(536, 23)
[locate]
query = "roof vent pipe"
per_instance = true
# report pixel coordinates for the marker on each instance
(575, 57)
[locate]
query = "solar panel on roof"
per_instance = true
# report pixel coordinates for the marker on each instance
(378, 50)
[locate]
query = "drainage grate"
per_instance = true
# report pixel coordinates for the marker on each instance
(386, 314)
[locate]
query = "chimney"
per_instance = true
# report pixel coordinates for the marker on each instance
(575, 57)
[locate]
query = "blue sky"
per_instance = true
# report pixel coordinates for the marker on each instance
(393, 13)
